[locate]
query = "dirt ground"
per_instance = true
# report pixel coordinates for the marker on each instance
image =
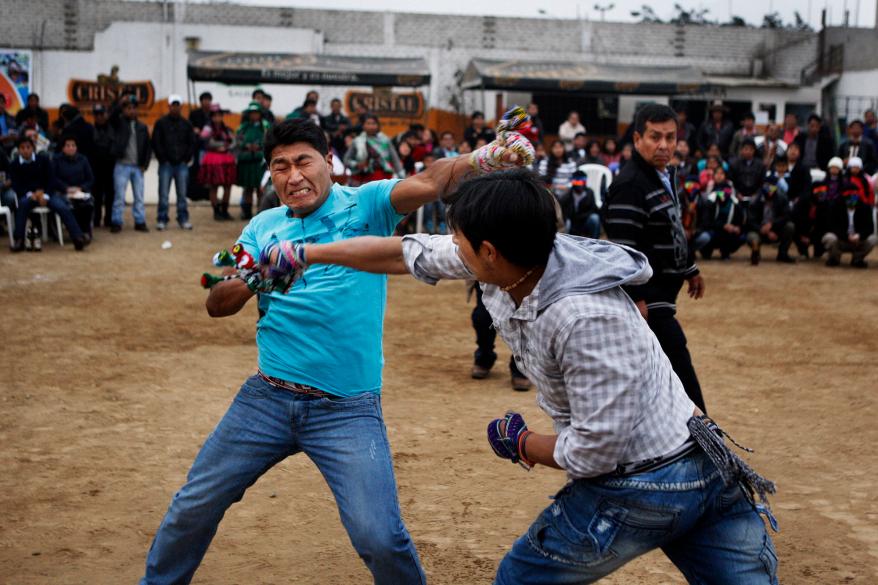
(113, 375)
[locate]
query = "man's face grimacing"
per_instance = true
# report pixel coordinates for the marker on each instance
(301, 176)
(657, 143)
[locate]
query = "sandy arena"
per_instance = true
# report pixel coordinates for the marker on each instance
(113, 375)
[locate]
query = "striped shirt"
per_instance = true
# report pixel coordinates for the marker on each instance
(600, 372)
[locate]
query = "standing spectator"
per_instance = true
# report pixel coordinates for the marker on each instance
(643, 210)
(686, 165)
(102, 162)
(770, 145)
(31, 175)
(815, 145)
(569, 129)
(251, 162)
(769, 222)
(447, 147)
(132, 152)
(33, 109)
(580, 209)
(8, 127)
(477, 130)
(716, 130)
(533, 110)
(72, 183)
(720, 220)
(686, 131)
(747, 130)
(557, 169)
(855, 146)
(218, 168)
(798, 177)
(173, 140)
(851, 229)
(790, 128)
(484, 356)
(76, 126)
(870, 130)
(336, 124)
(372, 156)
(747, 172)
(201, 117)
(267, 114)
(307, 111)
(824, 195)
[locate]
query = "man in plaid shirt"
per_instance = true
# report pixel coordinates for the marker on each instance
(637, 479)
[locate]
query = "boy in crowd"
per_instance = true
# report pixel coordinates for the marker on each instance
(769, 222)
(720, 220)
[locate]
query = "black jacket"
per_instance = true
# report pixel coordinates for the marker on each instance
(866, 151)
(838, 219)
(31, 176)
(84, 134)
(640, 213)
(104, 146)
(71, 172)
(747, 176)
(577, 214)
(122, 130)
(173, 140)
(780, 207)
(824, 146)
(708, 134)
(41, 115)
(799, 182)
(714, 215)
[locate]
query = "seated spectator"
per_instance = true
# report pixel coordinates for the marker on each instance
(627, 154)
(824, 194)
(855, 146)
(32, 181)
(593, 154)
(465, 148)
(712, 150)
(407, 157)
(690, 197)
(72, 181)
(33, 110)
(851, 229)
(569, 129)
(716, 130)
(579, 152)
(686, 131)
(427, 144)
(856, 181)
(537, 136)
(686, 165)
(447, 146)
(477, 130)
(580, 209)
(769, 222)
(539, 157)
(75, 125)
(720, 220)
(250, 138)
(8, 127)
(557, 169)
(747, 172)
(371, 156)
(610, 155)
(815, 145)
(747, 130)
(7, 195)
(798, 176)
(777, 175)
(705, 177)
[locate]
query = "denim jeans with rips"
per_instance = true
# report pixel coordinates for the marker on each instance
(712, 532)
(346, 439)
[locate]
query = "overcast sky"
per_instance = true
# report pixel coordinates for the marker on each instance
(751, 10)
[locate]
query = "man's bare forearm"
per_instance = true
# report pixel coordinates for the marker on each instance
(366, 253)
(440, 180)
(227, 298)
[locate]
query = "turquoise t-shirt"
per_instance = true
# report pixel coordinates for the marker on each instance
(326, 331)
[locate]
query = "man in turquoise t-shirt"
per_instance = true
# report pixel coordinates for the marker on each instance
(318, 386)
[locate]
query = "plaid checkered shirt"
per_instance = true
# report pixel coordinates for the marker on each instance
(600, 372)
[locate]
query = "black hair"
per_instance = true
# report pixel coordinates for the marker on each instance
(815, 117)
(553, 162)
(781, 158)
(367, 117)
(66, 137)
(205, 95)
(512, 210)
(309, 102)
(33, 95)
(857, 121)
(655, 113)
(256, 92)
(476, 114)
(748, 142)
(447, 133)
(749, 116)
(24, 138)
(333, 100)
(291, 132)
(578, 134)
(267, 96)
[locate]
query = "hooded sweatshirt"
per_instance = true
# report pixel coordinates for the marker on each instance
(600, 372)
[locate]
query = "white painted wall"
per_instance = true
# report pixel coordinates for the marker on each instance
(157, 52)
(858, 83)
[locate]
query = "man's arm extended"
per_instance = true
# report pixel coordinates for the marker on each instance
(227, 298)
(366, 253)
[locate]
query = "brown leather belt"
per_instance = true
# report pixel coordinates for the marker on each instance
(295, 386)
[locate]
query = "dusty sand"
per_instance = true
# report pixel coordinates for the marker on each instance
(113, 375)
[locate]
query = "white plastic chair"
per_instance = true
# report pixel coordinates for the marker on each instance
(44, 213)
(10, 222)
(419, 224)
(595, 177)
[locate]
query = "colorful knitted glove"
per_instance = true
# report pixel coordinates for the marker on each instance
(489, 158)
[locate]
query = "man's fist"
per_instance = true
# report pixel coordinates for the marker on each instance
(507, 435)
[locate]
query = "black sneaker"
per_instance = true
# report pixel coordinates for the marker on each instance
(79, 244)
(859, 263)
(833, 262)
(785, 259)
(755, 257)
(141, 227)
(115, 228)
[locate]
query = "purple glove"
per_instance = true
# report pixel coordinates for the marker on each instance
(506, 442)
(282, 270)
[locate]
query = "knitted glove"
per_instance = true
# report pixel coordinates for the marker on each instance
(507, 441)
(489, 158)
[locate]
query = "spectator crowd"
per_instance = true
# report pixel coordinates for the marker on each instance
(786, 185)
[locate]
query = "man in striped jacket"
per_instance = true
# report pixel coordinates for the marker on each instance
(643, 211)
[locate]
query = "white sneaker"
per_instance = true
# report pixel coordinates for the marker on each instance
(161, 226)
(185, 225)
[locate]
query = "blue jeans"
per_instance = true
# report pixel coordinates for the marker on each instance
(344, 437)
(57, 203)
(180, 173)
(121, 175)
(711, 532)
